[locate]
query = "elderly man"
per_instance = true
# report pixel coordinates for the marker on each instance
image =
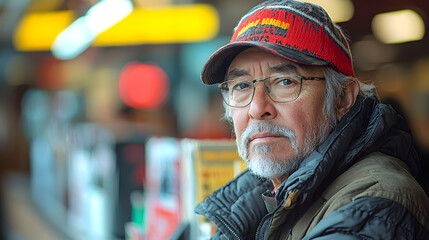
(326, 160)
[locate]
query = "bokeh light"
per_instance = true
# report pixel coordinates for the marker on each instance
(143, 86)
(398, 27)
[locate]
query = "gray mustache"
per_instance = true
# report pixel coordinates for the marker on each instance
(265, 126)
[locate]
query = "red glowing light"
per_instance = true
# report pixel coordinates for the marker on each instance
(143, 86)
(50, 74)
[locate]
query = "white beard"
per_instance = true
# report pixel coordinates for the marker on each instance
(263, 164)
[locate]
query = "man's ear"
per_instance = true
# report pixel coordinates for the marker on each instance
(348, 98)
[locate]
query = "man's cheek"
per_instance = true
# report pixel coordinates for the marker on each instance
(237, 131)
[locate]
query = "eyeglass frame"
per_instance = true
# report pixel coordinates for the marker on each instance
(266, 88)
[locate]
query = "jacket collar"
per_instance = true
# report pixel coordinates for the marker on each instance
(237, 207)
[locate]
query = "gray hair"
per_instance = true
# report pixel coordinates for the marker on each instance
(335, 85)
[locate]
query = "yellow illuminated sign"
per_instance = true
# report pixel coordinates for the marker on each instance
(172, 24)
(37, 31)
(176, 24)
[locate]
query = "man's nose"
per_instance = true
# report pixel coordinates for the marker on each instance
(262, 107)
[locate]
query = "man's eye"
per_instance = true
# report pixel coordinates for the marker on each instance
(241, 86)
(284, 81)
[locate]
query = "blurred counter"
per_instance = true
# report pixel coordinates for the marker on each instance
(23, 220)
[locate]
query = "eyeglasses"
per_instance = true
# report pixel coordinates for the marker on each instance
(239, 93)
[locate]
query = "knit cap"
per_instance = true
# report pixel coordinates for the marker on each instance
(297, 31)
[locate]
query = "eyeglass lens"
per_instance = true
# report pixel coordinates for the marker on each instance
(239, 93)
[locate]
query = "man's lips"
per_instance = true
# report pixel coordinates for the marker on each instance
(264, 137)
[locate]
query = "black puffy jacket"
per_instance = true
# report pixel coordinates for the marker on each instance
(371, 208)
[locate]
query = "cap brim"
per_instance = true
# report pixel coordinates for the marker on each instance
(214, 70)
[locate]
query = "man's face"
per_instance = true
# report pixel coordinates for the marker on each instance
(273, 138)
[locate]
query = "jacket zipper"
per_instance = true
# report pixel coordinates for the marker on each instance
(260, 224)
(228, 227)
(265, 217)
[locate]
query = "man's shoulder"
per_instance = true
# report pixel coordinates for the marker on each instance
(378, 176)
(370, 218)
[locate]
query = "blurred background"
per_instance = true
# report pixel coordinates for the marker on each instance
(95, 94)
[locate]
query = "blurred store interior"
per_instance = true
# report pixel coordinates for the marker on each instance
(85, 85)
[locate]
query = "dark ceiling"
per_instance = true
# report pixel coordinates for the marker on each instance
(360, 25)
(230, 12)
(365, 10)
